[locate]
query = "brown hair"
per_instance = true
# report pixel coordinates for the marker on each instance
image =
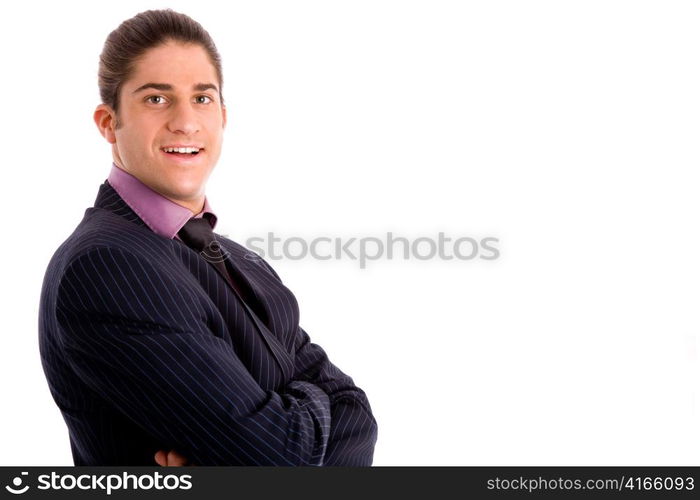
(142, 32)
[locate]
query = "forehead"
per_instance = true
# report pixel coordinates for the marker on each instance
(181, 65)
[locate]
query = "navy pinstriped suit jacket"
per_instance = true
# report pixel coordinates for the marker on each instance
(145, 346)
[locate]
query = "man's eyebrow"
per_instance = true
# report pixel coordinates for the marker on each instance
(199, 87)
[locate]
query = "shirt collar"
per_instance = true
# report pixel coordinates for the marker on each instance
(163, 216)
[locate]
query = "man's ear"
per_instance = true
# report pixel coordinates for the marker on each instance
(105, 119)
(223, 115)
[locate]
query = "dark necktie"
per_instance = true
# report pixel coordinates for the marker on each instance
(199, 235)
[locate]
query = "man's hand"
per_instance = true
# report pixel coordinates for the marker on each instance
(172, 459)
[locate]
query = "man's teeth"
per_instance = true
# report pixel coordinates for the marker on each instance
(181, 150)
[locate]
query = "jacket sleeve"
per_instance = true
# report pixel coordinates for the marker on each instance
(353, 432)
(138, 341)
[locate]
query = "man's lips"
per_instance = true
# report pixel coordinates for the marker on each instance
(184, 157)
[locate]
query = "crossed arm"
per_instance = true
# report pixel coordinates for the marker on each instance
(135, 339)
(353, 430)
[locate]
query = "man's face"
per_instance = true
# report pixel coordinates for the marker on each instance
(184, 110)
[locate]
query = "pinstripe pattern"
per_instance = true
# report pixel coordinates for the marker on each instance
(145, 347)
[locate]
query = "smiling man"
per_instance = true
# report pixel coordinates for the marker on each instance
(162, 341)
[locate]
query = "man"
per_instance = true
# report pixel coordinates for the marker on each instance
(162, 341)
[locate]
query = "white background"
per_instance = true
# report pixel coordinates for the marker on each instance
(569, 130)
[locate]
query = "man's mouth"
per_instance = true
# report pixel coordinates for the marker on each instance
(186, 152)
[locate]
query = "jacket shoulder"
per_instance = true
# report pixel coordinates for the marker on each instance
(102, 232)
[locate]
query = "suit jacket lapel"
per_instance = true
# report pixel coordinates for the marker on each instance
(280, 354)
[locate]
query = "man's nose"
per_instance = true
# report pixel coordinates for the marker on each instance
(184, 119)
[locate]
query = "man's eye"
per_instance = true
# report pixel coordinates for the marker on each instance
(204, 97)
(150, 98)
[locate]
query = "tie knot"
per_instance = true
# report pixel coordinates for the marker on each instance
(197, 234)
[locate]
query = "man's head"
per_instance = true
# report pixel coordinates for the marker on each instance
(160, 82)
